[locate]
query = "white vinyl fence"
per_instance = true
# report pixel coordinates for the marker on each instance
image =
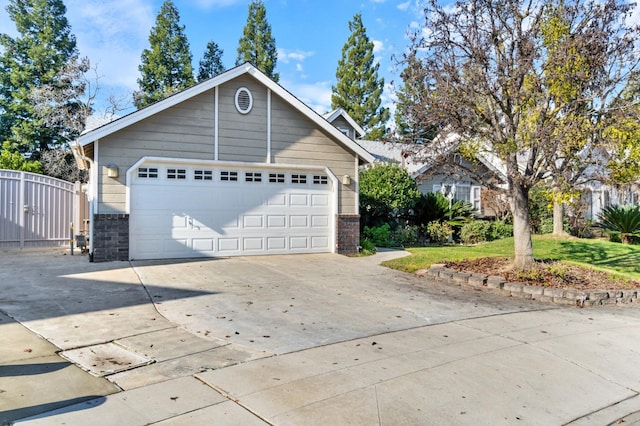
(38, 211)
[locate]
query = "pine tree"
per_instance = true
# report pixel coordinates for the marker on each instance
(411, 108)
(29, 63)
(211, 63)
(358, 90)
(166, 65)
(257, 46)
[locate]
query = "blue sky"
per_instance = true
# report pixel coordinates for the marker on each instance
(309, 36)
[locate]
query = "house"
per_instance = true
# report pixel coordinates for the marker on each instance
(235, 165)
(343, 122)
(448, 172)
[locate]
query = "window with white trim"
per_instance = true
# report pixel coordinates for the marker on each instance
(463, 192)
(148, 172)
(253, 177)
(203, 175)
(227, 176)
(320, 180)
(276, 177)
(176, 173)
(297, 178)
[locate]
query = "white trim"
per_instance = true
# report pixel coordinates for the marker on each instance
(268, 126)
(335, 189)
(206, 85)
(216, 121)
(357, 185)
(247, 110)
(96, 163)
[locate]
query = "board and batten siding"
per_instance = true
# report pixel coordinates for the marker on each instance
(187, 131)
(297, 140)
(182, 131)
(242, 137)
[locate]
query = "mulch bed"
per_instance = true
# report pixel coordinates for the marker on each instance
(545, 273)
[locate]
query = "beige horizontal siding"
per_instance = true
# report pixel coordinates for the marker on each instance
(243, 137)
(186, 131)
(295, 139)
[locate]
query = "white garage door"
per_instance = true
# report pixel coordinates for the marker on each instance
(179, 211)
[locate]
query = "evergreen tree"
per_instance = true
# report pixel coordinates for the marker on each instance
(211, 63)
(358, 90)
(32, 61)
(166, 65)
(257, 46)
(410, 116)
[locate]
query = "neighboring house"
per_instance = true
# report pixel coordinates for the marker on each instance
(235, 165)
(445, 172)
(343, 122)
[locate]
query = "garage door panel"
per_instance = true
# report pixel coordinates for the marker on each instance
(276, 221)
(298, 200)
(253, 221)
(222, 218)
(319, 242)
(298, 243)
(319, 200)
(319, 221)
(204, 245)
(253, 244)
(297, 221)
(226, 245)
(277, 200)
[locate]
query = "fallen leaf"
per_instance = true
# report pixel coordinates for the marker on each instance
(28, 350)
(173, 398)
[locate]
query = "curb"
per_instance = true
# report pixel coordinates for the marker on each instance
(560, 296)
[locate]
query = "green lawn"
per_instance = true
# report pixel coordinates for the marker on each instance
(596, 254)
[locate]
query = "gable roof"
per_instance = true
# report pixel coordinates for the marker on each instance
(397, 153)
(339, 112)
(417, 159)
(451, 143)
(248, 69)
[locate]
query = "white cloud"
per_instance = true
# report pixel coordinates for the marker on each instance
(316, 95)
(286, 56)
(404, 6)
(378, 46)
(112, 34)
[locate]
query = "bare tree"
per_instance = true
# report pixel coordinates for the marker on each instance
(494, 76)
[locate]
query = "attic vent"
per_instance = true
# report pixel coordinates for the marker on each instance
(244, 100)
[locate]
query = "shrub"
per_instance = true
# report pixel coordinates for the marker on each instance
(439, 232)
(431, 207)
(540, 210)
(499, 230)
(386, 193)
(378, 235)
(406, 236)
(475, 232)
(367, 247)
(623, 221)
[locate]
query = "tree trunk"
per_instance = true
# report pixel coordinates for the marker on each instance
(521, 227)
(558, 217)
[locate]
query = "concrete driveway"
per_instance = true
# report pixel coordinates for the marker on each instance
(306, 339)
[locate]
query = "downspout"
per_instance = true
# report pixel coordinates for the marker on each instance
(91, 194)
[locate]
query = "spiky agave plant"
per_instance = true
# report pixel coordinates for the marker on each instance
(623, 220)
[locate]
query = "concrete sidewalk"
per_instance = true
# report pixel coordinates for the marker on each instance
(377, 347)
